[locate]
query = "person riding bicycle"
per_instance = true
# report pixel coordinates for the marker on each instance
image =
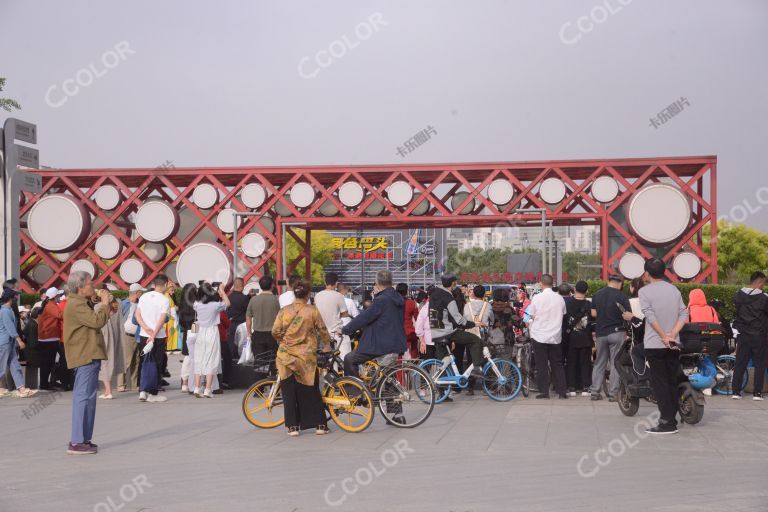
(447, 322)
(382, 324)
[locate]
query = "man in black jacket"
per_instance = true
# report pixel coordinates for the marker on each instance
(752, 323)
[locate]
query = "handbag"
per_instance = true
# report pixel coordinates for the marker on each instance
(195, 327)
(246, 357)
(149, 374)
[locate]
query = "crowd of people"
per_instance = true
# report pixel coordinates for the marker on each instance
(79, 336)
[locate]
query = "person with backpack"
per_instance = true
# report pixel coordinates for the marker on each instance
(479, 312)
(577, 331)
(752, 324)
(129, 381)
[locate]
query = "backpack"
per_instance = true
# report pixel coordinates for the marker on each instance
(579, 321)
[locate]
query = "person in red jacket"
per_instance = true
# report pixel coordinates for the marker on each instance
(49, 330)
(411, 312)
(224, 324)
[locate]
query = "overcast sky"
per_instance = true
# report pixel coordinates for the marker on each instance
(242, 83)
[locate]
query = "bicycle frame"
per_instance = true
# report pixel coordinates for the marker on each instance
(461, 380)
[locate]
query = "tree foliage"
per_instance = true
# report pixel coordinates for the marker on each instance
(322, 254)
(7, 104)
(740, 251)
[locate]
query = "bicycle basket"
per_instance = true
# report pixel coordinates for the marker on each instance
(265, 360)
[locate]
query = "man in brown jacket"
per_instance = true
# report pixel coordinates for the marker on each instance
(84, 347)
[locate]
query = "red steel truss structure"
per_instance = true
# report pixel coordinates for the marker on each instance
(437, 183)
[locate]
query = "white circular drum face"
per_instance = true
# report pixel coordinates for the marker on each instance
(328, 209)
(501, 191)
(631, 265)
(686, 265)
(302, 195)
(605, 189)
(460, 197)
(282, 210)
(203, 261)
(253, 245)
(156, 221)
(400, 193)
(375, 208)
(351, 194)
(268, 223)
(61, 256)
(108, 246)
(58, 223)
(226, 220)
(659, 213)
(205, 196)
(253, 195)
(422, 207)
(250, 285)
(41, 273)
(552, 190)
(131, 270)
(107, 197)
(155, 252)
(84, 266)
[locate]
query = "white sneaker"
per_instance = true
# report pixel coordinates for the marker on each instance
(707, 392)
(585, 393)
(758, 397)
(197, 393)
(736, 397)
(143, 396)
(157, 398)
(207, 393)
(571, 393)
(184, 389)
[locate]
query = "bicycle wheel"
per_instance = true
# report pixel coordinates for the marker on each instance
(405, 395)
(724, 385)
(433, 367)
(506, 385)
(259, 410)
(350, 404)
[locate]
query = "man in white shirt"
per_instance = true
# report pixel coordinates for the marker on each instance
(152, 313)
(332, 306)
(547, 310)
(287, 298)
(346, 343)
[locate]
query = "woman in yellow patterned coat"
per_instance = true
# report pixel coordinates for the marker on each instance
(299, 330)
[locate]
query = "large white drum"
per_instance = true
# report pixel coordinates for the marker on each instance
(422, 207)
(108, 246)
(375, 208)
(156, 221)
(552, 190)
(328, 209)
(251, 285)
(351, 194)
(501, 191)
(131, 270)
(253, 195)
(268, 223)
(460, 197)
(58, 222)
(400, 193)
(659, 213)
(686, 265)
(253, 245)
(282, 210)
(210, 262)
(226, 220)
(631, 265)
(302, 195)
(605, 189)
(84, 266)
(155, 252)
(107, 197)
(41, 273)
(205, 196)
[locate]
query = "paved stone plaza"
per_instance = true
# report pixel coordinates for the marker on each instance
(473, 455)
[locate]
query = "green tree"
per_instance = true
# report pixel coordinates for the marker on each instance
(7, 104)
(322, 254)
(574, 265)
(740, 251)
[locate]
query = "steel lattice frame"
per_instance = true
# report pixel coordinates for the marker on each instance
(695, 176)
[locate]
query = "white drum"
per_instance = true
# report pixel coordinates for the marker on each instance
(351, 194)
(400, 193)
(251, 285)
(61, 256)
(460, 197)
(605, 189)
(108, 246)
(58, 222)
(205, 196)
(155, 252)
(302, 195)
(422, 207)
(659, 213)
(156, 221)
(253, 245)
(552, 190)
(84, 266)
(107, 197)
(210, 262)
(131, 270)
(282, 210)
(253, 195)
(501, 191)
(187, 222)
(375, 208)
(686, 265)
(328, 209)
(226, 220)
(41, 273)
(268, 223)
(631, 265)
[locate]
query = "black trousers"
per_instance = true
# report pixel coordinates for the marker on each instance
(64, 375)
(354, 359)
(473, 344)
(578, 368)
(549, 360)
(226, 363)
(262, 341)
(47, 351)
(754, 347)
(458, 353)
(430, 353)
(664, 368)
(303, 405)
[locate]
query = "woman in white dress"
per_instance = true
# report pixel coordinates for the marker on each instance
(207, 345)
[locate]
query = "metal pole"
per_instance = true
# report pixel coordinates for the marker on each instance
(234, 244)
(549, 246)
(543, 212)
